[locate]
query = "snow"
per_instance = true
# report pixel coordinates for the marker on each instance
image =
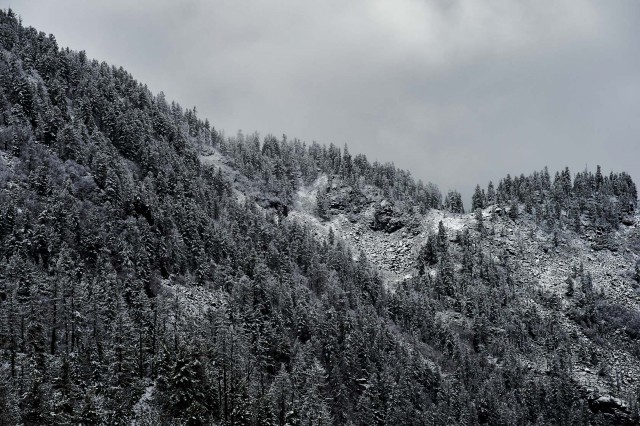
(194, 301)
(214, 158)
(537, 265)
(305, 199)
(453, 222)
(143, 408)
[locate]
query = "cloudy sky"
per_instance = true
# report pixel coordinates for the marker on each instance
(458, 92)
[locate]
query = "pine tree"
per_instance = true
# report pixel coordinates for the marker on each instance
(322, 203)
(599, 179)
(478, 199)
(513, 209)
(443, 238)
(480, 221)
(428, 254)
(453, 202)
(587, 285)
(570, 287)
(491, 194)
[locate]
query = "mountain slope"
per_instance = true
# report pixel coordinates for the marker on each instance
(153, 271)
(541, 263)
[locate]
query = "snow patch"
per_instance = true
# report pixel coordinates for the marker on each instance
(453, 222)
(305, 198)
(143, 409)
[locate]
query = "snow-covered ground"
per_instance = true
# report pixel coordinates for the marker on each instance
(537, 264)
(144, 410)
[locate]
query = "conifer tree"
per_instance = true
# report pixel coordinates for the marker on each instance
(477, 201)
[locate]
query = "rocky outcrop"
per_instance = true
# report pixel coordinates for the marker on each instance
(273, 203)
(612, 407)
(385, 218)
(604, 241)
(345, 199)
(367, 205)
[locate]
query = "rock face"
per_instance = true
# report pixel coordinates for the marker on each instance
(367, 205)
(386, 219)
(274, 204)
(344, 198)
(611, 407)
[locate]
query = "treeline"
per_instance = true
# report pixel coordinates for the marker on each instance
(134, 287)
(282, 165)
(596, 200)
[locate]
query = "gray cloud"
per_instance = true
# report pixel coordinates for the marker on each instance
(459, 92)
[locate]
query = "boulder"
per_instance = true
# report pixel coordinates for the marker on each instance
(381, 217)
(274, 204)
(628, 220)
(394, 224)
(616, 407)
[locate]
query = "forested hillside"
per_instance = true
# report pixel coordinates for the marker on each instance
(140, 284)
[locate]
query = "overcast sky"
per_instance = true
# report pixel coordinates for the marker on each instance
(458, 92)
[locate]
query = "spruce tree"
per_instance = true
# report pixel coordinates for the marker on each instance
(477, 201)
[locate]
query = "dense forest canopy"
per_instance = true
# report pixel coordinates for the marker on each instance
(135, 285)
